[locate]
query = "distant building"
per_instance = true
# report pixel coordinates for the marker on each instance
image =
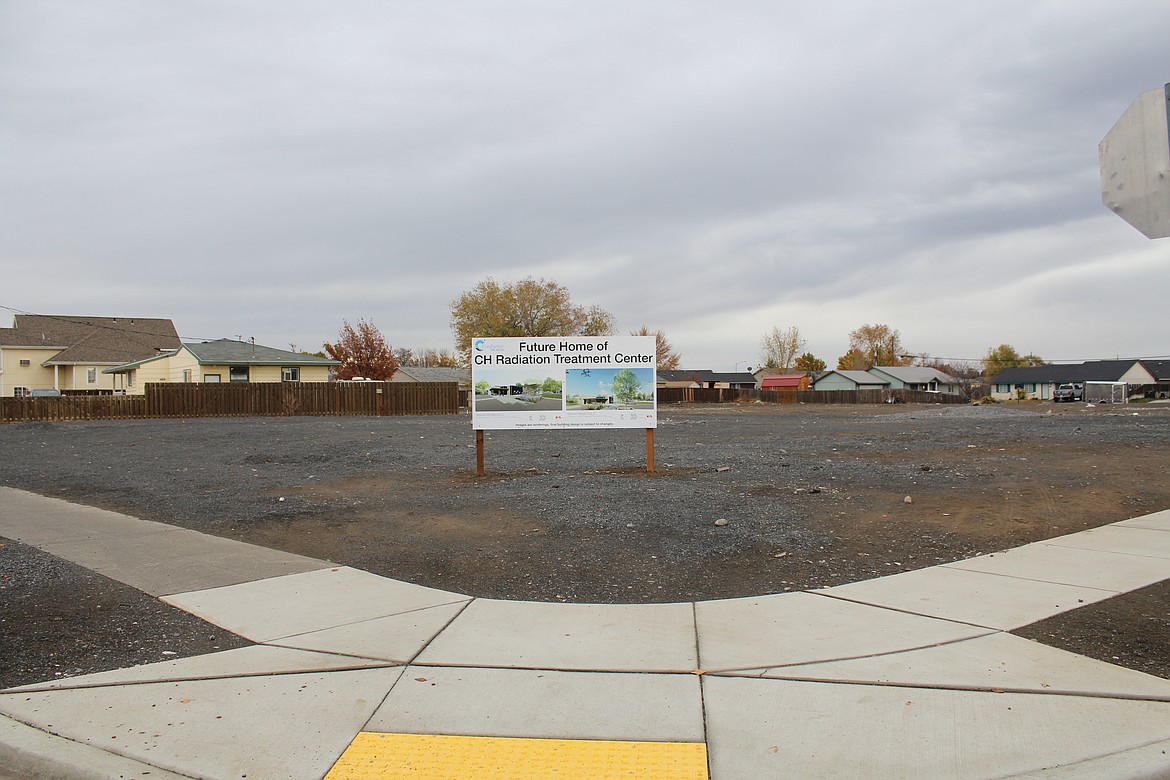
(841, 379)
(921, 378)
(1040, 382)
(70, 353)
(224, 360)
(785, 382)
(706, 378)
(433, 374)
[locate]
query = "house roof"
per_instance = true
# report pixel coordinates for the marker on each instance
(700, 375)
(782, 380)
(704, 376)
(733, 377)
(231, 352)
(1160, 369)
(857, 377)
(237, 353)
(124, 367)
(90, 340)
(916, 375)
(1057, 373)
(437, 374)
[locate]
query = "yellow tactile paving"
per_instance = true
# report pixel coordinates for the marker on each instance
(429, 757)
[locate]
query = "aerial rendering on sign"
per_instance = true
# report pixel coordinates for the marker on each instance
(571, 382)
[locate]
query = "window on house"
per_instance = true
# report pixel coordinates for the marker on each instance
(19, 392)
(290, 374)
(237, 373)
(26, 363)
(211, 378)
(130, 377)
(91, 375)
(186, 375)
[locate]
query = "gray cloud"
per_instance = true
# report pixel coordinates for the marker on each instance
(272, 168)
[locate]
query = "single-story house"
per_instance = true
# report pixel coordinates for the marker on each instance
(785, 382)
(433, 374)
(738, 380)
(1039, 382)
(921, 378)
(685, 379)
(70, 353)
(224, 360)
(850, 380)
(706, 378)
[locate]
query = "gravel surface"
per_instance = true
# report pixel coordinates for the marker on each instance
(746, 499)
(60, 620)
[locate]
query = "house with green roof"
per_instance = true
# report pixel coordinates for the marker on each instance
(842, 379)
(921, 378)
(224, 360)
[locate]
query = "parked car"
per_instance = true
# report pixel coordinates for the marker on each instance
(1069, 393)
(44, 392)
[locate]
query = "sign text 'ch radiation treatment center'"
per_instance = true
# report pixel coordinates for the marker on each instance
(569, 382)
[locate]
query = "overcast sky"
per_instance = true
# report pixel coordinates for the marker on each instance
(713, 170)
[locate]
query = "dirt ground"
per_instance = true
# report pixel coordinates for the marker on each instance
(811, 496)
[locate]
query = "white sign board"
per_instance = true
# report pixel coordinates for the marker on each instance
(1135, 164)
(569, 382)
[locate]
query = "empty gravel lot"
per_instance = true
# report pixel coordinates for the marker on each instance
(811, 496)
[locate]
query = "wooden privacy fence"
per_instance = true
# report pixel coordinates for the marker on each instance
(72, 407)
(287, 399)
(377, 399)
(251, 399)
(689, 395)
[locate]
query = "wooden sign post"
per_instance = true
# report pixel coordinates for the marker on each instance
(479, 452)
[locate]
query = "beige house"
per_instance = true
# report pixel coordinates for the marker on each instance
(70, 353)
(224, 360)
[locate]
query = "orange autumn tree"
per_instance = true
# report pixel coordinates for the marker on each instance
(363, 352)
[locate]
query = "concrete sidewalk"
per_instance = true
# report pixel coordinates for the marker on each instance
(359, 676)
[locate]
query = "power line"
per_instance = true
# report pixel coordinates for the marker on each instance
(1074, 361)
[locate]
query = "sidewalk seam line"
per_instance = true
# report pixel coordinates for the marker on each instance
(956, 687)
